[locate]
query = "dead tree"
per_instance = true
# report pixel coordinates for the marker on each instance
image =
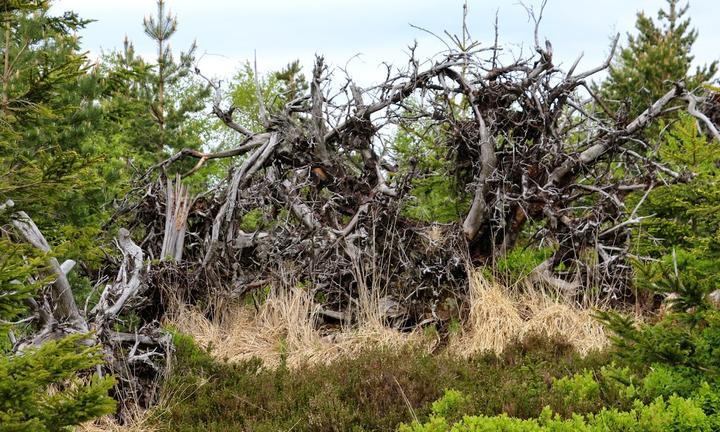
(135, 358)
(530, 145)
(533, 150)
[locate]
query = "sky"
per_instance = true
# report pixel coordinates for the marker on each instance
(359, 36)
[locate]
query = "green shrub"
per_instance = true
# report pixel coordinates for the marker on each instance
(675, 414)
(619, 386)
(40, 389)
(686, 341)
(667, 381)
(579, 392)
(681, 227)
(452, 406)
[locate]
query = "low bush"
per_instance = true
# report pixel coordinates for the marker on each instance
(673, 414)
(665, 376)
(376, 390)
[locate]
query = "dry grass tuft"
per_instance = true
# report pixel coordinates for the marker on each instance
(576, 325)
(493, 322)
(499, 315)
(139, 422)
(284, 329)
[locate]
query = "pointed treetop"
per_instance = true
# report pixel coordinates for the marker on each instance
(162, 26)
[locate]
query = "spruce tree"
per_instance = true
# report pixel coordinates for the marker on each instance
(656, 57)
(152, 107)
(44, 123)
(681, 229)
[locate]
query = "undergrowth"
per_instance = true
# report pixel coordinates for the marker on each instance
(375, 390)
(664, 376)
(656, 376)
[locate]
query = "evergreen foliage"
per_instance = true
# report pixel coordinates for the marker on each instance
(40, 389)
(48, 169)
(176, 95)
(682, 228)
(47, 116)
(656, 57)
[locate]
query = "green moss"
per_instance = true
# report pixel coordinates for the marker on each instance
(252, 220)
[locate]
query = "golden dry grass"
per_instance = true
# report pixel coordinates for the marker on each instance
(140, 422)
(559, 318)
(286, 326)
(499, 315)
(494, 319)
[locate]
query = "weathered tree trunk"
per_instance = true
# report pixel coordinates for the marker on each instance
(59, 315)
(177, 208)
(63, 307)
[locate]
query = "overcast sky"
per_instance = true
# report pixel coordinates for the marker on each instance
(363, 34)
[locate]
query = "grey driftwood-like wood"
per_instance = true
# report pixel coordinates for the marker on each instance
(331, 186)
(177, 207)
(58, 315)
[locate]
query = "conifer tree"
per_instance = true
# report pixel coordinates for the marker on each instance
(177, 97)
(681, 228)
(43, 126)
(48, 159)
(657, 56)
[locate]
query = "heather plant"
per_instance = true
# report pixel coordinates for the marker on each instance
(373, 390)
